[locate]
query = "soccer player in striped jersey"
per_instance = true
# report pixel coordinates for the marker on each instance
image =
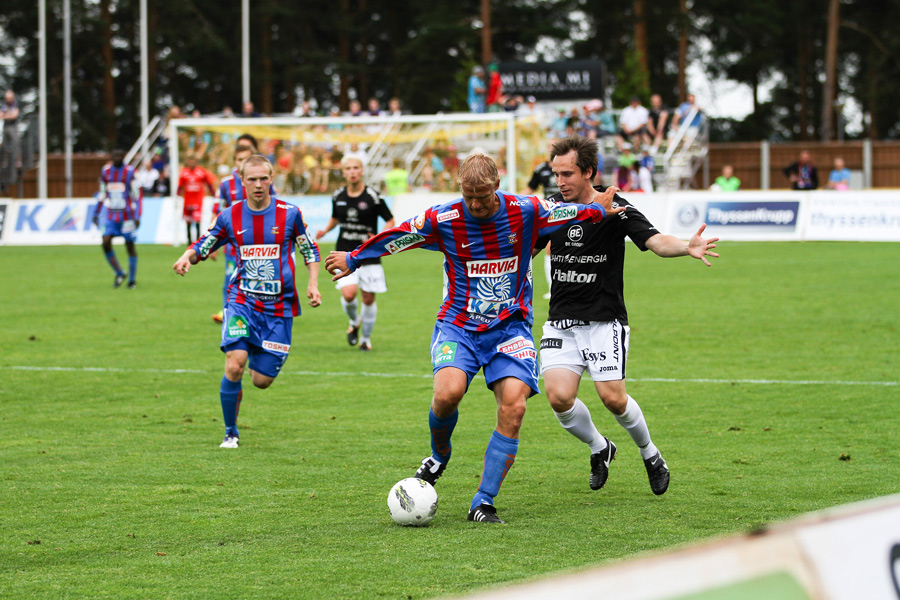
(487, 237)
(231, 191)
(262, 299)
(124, 202)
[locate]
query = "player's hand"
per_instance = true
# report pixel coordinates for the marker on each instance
(183, 264)
(606, 199)
(700, 248)
(336, 264)
(320, 234)
(315, 298)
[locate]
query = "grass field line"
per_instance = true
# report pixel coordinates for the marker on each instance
(428, 376)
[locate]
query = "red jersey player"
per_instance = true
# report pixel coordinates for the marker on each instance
(192, 182)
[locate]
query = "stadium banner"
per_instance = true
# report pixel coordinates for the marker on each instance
(765, 216)
(870, 216)
(4, 208)
(844, 553)
(564, 80)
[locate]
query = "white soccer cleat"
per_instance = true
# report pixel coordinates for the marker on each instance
(230, 441)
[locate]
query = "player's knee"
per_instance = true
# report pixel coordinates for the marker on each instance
(445, 401)
(510, 416)
(261, 381)
(560, 404)
(615, 402)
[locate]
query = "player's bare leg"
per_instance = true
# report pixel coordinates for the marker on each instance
(368, 314)
(450, 386)
(110, 255)
(351, 306)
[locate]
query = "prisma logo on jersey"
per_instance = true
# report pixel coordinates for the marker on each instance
(260, 266)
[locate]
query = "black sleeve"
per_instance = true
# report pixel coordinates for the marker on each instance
(636, 225)
(334, 199)
(383, 211)
(535, 182)
(542, 242)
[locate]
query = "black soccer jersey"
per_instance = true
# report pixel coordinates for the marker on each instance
(358, 217)
(587, 262)
(543, 177)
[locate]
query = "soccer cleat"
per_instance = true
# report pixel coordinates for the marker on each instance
(353, 335)
(658, 473)
(230, 441)
(118, 281)
(132, 285)
(431, 470)
(485, 513)
(218, 317)
(365, 346)
(600, 465)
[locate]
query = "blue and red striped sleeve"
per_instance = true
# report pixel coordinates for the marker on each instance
(306, 244)
(551, 217)
(214, 238)
(417, 232)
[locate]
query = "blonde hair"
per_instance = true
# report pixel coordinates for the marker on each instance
(478, 170)
(353, 156)
(256, 159)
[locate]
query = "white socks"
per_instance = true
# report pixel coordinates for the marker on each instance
(352, 310)
(368, 313)
(577, 421)
(633, 422)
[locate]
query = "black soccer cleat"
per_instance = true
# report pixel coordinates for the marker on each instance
(118, 281)
(132, 285)
(431, 470)
(485, 513)
(600, 465)
(658, 473)
(352, 335)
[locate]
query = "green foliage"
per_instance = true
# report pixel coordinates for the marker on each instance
(631, 81)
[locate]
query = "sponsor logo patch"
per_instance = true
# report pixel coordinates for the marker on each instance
(261, 286)
(276, 346)
(237, 327)
(445, 353)
(551, 343)
(260, 251)
(403, 242)
(453, 214)
(492, 268)
(420, 221)
(513, 238)
(563, 213)
(518, 347)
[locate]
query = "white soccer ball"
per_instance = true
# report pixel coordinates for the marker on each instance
(412, 502)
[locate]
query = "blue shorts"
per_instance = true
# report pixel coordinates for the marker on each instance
(123, 229)
(507, 351)
(265, 338)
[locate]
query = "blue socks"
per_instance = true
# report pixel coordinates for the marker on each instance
(498, 460)
(441, 430)
(132, 268)
(114, 262)
(230, 395)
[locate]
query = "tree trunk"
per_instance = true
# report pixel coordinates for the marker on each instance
(803, 55)
(487, 51)
(344, 55)
(640, 39)
(109, 88)
(265, 45)
(682, 51)
(828, 93)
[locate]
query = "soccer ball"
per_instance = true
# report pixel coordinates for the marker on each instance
(412, 502)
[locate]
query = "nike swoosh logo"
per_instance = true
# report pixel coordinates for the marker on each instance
(466, 245)
(241, 231)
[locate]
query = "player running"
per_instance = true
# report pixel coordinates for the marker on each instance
(231, 191)
(124, 202)
(588, 324)
(356, 208)
(192, 182)
(262, 300)
(486, 238)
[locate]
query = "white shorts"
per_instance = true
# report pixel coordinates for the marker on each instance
(369, 278)
(601, 347)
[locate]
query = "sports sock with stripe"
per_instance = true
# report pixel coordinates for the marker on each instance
(114, 262)
(498, 460)
(441, 431)
(230, 396)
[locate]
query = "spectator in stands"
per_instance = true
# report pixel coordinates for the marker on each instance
(10, 149)
(495, 90)
(633, 124)
(248, 111)
(658, 124)
(684, 109)
(227, 113)
(146, 177)
(476, 94)
(726, 182)
(839, 178)
(600, 120)
(396, 181)
(558, 126)
(802, 173)
(304, 109)
(394, 107)
(162, 185)
(374, 108)
(512, 103)
(355, 109)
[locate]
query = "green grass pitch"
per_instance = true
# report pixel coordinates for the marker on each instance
(769, 381)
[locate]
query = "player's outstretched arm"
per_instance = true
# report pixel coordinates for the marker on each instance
(183, 264)
(312, 288)
(336, 264)
(606, 200)
(669, 246)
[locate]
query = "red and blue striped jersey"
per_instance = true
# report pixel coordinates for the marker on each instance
(121, 192)
(487, 262)
(265, 262)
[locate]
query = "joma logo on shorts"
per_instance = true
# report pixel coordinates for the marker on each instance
(492, 268)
